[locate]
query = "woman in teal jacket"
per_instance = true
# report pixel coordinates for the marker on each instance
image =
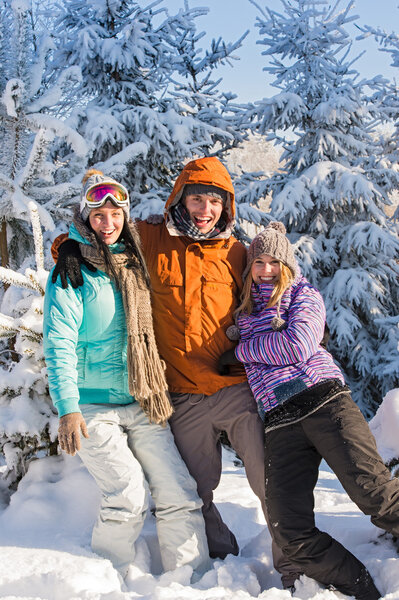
(107, 382)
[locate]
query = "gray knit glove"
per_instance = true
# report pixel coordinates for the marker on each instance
(69, 430)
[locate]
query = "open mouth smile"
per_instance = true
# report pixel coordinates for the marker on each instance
(202, 220)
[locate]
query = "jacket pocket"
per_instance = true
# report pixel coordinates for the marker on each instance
(168, 271)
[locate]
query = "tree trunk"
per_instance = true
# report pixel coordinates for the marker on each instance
(3, 246)
(5, 263)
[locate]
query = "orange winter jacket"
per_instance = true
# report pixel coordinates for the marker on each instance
(195, 289)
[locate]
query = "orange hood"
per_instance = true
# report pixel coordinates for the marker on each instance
(208, 171)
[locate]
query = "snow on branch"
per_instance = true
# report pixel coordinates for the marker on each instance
(281, 111)
(353, 287)
(7, 326)
(37, 235)
(36, 157)
(54, 95)
(366, 236)
(13, 96)
(36, 121)
(29, 282)
(128, 154)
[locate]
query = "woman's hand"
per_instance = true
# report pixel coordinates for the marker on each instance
(69, 430)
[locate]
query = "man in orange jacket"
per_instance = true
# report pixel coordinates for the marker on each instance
(195, 266)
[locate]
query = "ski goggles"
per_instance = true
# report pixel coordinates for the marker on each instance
(99, 193)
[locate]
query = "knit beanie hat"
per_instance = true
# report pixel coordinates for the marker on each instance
(273, 242)
(92, 177)
(201, 188)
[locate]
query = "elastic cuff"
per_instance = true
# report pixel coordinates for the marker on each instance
(64, 407)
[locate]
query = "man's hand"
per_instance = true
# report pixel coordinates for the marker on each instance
(227, 359)
(69, 430)
(69, 264)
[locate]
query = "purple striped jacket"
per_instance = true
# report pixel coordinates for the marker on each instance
(277, 358)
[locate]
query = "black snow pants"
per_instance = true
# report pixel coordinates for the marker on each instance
(338, 433)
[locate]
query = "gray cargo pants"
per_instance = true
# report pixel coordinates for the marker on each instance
(196, 425)
(338, 433)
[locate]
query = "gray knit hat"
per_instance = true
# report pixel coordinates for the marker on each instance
(201, 188)
(95, 178)
(272, 241)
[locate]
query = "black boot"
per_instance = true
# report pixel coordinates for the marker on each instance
(290, 588)
(364, 588)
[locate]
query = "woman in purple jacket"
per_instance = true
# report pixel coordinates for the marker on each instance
(308, 414)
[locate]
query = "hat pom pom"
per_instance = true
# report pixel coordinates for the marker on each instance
(233, 333)
(277, 226)
(278, 324)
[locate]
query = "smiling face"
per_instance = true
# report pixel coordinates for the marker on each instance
(107, 222)
(265, 269)
(205, 211)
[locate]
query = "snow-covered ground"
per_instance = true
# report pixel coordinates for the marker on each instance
(45, 538)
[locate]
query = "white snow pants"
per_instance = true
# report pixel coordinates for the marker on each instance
(124, 453)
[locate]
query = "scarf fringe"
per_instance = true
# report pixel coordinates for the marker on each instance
(147, 382)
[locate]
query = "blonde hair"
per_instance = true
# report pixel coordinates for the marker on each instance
(284, 281)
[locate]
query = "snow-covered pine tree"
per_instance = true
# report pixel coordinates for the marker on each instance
(198, 98)
(196, 89)
(385, 168)
(28, 421)
(332, 207)
(123, 61)
(137, 130)
(33, 102)
(30, 100)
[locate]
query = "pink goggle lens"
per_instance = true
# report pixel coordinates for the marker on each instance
(98, 193)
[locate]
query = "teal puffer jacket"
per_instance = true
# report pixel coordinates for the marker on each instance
(85, 341)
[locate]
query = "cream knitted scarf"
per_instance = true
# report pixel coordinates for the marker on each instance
(147, 382)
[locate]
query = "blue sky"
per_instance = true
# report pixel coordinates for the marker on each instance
(231, 18)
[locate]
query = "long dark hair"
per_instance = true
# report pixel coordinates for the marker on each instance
(130, 238)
